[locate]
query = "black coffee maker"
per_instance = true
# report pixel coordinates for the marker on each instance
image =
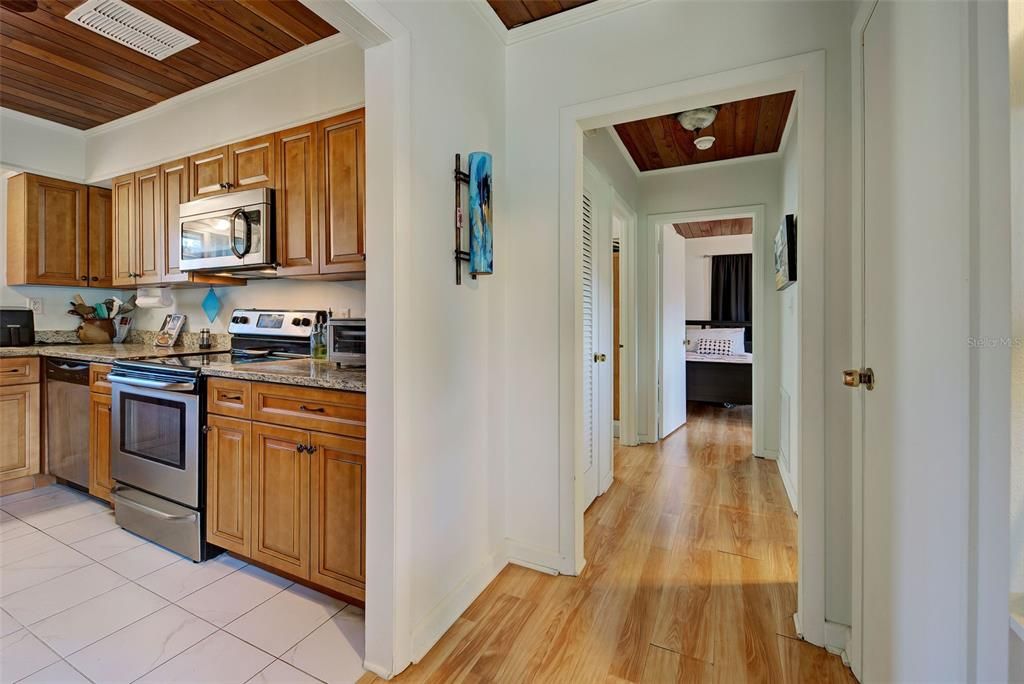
(17, 327)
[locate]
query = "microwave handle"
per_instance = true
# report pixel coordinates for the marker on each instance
(247, 245)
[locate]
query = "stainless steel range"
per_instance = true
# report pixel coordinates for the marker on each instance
(158, 418)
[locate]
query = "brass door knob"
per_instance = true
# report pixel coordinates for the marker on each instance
(855, 377)
(600, 358)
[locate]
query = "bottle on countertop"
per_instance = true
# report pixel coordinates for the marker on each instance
(318, 339)
(204, 339)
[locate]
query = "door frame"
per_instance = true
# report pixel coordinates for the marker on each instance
(805, 74)
(651, 333)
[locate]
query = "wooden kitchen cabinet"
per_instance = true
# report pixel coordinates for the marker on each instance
(338, 514)
(209, 173)
(19, 431)
(342, 177)
(229, 483)
(280, 498)
(123, 234)
(297, 199)
(100, 480)
(252, 163)
(149, 227)
(174, 190)
(47, 232)
(101, 246)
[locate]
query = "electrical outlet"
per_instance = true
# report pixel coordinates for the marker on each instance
(36, 304)
(345, 313)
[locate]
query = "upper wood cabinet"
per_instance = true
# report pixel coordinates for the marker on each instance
(123, 234)
(341, 186)
(209, 173)
(47, 232)
(298, 205)
(149, 227)
(251, 164)
(174, 189)
(101, 245)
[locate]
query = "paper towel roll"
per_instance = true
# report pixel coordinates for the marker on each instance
(153, 298)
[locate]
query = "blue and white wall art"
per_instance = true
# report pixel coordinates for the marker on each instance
(481, 239)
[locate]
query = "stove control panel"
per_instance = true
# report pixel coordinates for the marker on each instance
(274, 322)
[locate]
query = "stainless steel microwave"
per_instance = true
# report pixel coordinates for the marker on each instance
(228, 232)
(346, 341)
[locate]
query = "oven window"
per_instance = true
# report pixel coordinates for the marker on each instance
(153, 429)
(211, 237)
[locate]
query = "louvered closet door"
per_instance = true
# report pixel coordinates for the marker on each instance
(589, 309)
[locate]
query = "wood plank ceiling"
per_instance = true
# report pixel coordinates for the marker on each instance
(515, 13)
(702, 229)
(741, 129)
(60, 71)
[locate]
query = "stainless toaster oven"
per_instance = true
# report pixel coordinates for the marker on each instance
(346, 341)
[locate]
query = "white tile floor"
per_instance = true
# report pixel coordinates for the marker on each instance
(82, 600)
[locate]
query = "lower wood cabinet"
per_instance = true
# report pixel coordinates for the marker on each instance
(280, 505)
(100, 480)
(229, 483)
(19, 431)
(288, 497)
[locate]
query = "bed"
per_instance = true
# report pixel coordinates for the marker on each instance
(719, 378)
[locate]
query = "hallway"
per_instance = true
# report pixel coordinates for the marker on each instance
(691, 577)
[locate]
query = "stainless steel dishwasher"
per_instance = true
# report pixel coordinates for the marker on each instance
(67, 420)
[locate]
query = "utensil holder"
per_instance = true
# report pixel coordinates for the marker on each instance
(96, 331)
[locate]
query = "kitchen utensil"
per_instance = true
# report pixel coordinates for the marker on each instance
(101, 310)
(78, 299)
(72, 312)
(85, 311)
(96, 331)
(115, 306)
(128, 306)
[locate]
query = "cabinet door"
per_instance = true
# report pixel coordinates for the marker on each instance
(252, 163)
(149, 226)
(19, 431)
(174, 191)
(228, 483)
(57, 234)
(123, 234)
(209, 173)
(338, 516)
(101, 246)
(100, 481)
(280, 498)
(341, 194)
(298, 213)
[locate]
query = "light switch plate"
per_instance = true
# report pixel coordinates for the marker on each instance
(36, 304)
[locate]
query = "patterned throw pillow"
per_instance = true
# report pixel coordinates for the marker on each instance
(717, 347)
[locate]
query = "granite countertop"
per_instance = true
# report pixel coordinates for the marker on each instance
(100, 353)
(305, 372)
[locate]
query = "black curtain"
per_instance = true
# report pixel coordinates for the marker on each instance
(731, 298)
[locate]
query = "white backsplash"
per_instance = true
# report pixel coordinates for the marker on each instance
(261, 294)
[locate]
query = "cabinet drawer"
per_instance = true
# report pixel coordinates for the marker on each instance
(331, 411)
(19, 371)
(98, 377)
(227, 397)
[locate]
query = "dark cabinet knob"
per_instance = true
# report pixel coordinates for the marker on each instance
(95, 278)
(84, 278)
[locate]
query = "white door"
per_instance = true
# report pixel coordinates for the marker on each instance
(672, 380)
(916, 473)
(589, 310)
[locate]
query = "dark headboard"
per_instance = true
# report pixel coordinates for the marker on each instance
(748, 329)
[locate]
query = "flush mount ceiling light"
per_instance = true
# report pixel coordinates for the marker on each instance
(695, 120)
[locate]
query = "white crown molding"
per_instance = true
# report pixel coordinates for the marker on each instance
(555, 22)
(261, 69)
(38, 121)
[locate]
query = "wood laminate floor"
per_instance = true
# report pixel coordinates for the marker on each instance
(690, 577)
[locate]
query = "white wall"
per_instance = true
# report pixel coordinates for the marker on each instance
(31, 144)
(1016, 18)
(604, 154)
(698, 269)
(646, 45)
(304, 85)
(727, 185)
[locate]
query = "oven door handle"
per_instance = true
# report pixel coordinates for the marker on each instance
(151, 384)
(125, 501)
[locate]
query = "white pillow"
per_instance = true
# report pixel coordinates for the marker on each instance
(734, 335)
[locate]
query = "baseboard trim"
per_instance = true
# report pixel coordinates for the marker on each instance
(837, 640)
(448, 609)
(790, 489)
(382, 672)
(607, 483)
(550, 562)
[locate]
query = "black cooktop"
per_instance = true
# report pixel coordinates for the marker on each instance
(206, 358)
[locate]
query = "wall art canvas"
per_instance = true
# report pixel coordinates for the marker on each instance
(785, 253)
(481, 242)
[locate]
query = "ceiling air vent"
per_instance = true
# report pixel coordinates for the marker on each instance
(129, 26)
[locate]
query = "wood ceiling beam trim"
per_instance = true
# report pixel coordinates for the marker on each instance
(272, 13)
(33, 109)
(15, 88)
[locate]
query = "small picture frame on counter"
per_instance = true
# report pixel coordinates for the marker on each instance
(170, 330)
